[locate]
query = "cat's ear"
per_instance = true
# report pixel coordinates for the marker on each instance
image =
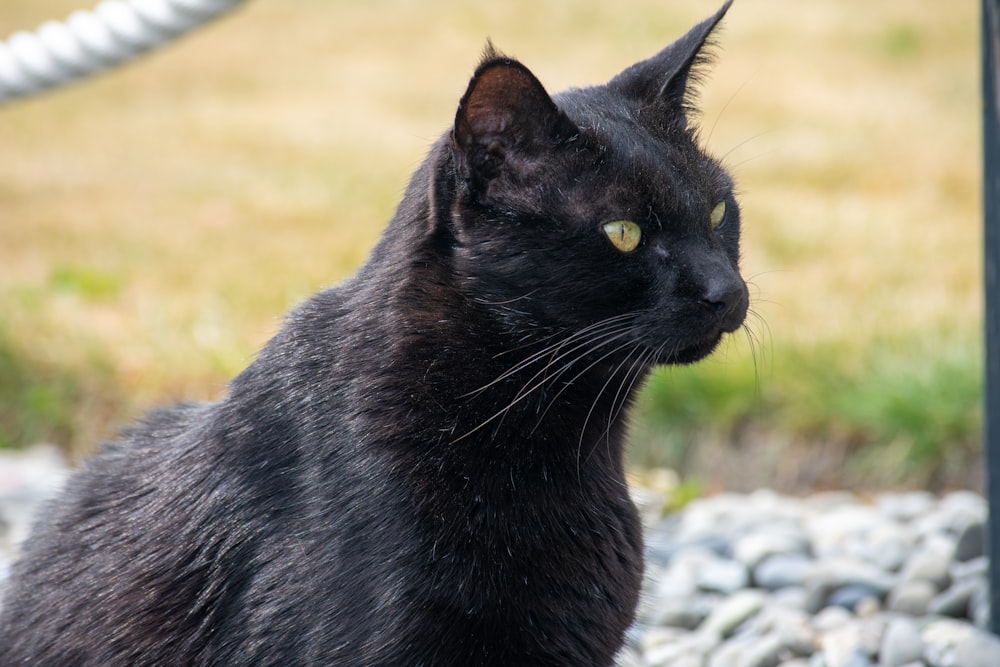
(504, 121)
(663, 84)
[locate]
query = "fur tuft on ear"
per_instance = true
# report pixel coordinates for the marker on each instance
(490, 53)
(666, 84)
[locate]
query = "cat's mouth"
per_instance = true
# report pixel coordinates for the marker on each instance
(690, 350)
(689, 353)
(702, 338)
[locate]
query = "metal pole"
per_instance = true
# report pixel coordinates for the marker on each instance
(991, 224)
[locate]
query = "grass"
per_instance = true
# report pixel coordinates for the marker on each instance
(885, 419)
(157, 221)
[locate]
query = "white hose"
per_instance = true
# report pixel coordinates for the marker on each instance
(88, 42)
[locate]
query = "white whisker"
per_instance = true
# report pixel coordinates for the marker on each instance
(575, 347)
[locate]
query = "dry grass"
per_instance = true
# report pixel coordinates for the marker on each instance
(164, 216)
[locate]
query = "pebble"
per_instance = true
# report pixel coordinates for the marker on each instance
(911, 597)
(755, 580)
(971, 541)
(901, 643)
(898, 580)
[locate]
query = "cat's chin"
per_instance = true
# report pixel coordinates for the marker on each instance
(690, 353)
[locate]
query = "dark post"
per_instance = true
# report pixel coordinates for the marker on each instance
(991, 222)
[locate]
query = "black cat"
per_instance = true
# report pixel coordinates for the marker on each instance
(424, 467)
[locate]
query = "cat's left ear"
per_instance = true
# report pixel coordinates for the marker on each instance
(505, 121)
(661, 84)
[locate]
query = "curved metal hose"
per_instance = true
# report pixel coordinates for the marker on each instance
(91, 41)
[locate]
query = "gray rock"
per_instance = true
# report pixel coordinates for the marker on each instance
(833, 529)
(901, 643)
(842, 644)
(931, 562)
(685, 613)
(689, 660)
(732, 612)
(867, 607)
(678, 580)
(911, 597)
(963, 506)
(774, 616)
(723, 576)
(671, 648)
(653, 639)
(976, 567)
(831, 574)
(830, 619)
(754, 547)
(793, 597)
(871, 630)
(29, 479)
(956, 601)
(838, 572)
(858, 660)
(905, 506)
(979, 608)
(664, 546)
(782, 570)
(731, 652)
(971, 542)
(889, 546)
(949, 643)
(764, 652)
(798, 638)
(979, 650)
(825, 502)
(852, 596)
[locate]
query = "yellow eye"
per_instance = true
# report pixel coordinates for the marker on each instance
(718, 214)
(624, 235)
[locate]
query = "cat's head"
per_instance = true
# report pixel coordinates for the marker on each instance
(596, 208)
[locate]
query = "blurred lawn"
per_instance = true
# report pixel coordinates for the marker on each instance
(157, 221)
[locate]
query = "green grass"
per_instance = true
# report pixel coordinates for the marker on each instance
(907, 411)
(157, 221)
(41, 402)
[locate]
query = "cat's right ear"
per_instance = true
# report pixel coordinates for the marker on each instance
(504, 121)
(663, 84)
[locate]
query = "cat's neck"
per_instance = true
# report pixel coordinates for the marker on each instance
(425, 366)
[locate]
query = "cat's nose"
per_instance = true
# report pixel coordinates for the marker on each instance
(728, 300)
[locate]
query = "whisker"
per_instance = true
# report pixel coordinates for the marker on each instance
(544, 352)
(644, 361)
(596, 337)
(592, 345)
(722, 111)
(737, 165)
(607, 431)
(746, 141)
(590, 338)
(617, 336)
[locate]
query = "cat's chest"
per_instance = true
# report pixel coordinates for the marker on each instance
(514, 569)
(550, 536)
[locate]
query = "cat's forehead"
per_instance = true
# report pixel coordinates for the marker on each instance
(659, 165)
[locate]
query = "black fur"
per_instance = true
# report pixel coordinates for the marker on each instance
(424, 467)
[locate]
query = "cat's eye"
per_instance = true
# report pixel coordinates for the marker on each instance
(718, 214)
(624, 234)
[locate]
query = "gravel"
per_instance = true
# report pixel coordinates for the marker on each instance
(831, 580)
(755, 580)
